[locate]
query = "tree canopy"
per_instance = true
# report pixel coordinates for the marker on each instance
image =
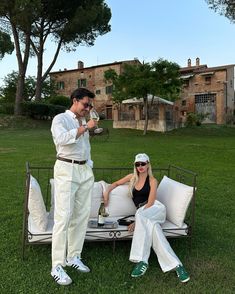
(159, 78)
(6, 45)
(8, 89)
(223, 7)
(68, 23)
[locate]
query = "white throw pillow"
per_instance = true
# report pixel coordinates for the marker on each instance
(120, 203)
(176, 197)
(36, 205)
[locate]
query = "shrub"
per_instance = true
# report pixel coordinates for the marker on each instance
(60, 100)
(194, 119)
(102, 115)
(41, 110)
(7, 108)
(230, 119)
(55, 109)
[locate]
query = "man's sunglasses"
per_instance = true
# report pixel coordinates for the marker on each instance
(137, 164)
(86, 105)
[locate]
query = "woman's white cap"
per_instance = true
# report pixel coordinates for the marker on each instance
(141, 157)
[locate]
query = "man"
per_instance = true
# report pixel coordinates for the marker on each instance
(74, 180)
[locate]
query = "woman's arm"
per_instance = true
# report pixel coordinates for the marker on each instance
(122, 181)
(152, 193)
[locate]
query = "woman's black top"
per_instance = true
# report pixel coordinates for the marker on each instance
(142, 195)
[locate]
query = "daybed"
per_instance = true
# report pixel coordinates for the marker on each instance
(176, 191)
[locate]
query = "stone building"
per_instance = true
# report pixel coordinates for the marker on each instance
(130, 114)
(207, 90)
(92, 78)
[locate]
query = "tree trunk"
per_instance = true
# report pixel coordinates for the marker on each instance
(41, 78)
(19, 94)
(22, 66)
(146, 115)
(38, 92)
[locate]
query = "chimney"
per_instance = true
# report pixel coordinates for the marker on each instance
(189, 62)
(197, 61)
(80, 64)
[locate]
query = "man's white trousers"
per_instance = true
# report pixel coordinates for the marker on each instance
(147, 233)
(73, 189)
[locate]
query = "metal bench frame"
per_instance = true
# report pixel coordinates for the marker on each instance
(44, 174)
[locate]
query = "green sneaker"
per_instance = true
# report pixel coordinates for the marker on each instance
(182, 274)
(139, 269)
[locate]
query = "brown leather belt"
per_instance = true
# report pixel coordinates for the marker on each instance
(71, 160)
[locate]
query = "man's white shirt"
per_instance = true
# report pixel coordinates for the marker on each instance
(64, 130)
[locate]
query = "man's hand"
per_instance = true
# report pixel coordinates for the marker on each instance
(91, 123)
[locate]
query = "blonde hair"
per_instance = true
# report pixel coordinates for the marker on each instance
(134, 179)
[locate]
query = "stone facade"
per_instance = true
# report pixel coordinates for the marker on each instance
(207, 90)
(91, 78)
(130, 115)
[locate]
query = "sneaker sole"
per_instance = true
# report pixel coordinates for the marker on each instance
(62, 283)
(140, 275)
(80, 270)
(133, 276)
(186, 280)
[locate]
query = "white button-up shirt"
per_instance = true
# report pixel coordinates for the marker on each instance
(64, 130)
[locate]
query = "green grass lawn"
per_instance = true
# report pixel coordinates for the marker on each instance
(207, 150)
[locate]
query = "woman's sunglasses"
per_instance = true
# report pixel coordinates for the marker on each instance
(137, 164)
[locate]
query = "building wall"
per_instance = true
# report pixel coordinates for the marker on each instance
(230, 89)
(95, 82)
(221, 83)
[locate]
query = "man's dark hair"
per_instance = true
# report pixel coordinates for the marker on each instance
(80, 93)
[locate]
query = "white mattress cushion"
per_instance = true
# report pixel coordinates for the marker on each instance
(176, 197)
(36, 205)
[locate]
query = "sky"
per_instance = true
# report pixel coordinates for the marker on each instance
(148, 30)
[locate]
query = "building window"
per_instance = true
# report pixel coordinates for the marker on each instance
(109, 89)
(97, 92)
(205, 98)
(60, 85)
(183, 102)
(186, 83)
(208, 80)
(82, 83)
(153, 112)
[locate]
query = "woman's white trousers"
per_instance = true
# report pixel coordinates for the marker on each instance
(147, 233)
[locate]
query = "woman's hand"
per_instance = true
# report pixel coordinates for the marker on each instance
(131, 227)
(106, 198)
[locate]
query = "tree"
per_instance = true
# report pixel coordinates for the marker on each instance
(159, 78)
(8, 90)
(6, 45)
(69, 23)
(223, 7)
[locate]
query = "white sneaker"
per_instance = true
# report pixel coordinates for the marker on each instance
(60, 276)
(76, 263)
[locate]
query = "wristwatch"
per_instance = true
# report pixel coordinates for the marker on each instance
(85, 127)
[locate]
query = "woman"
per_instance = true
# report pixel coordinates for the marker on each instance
(149, 216)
